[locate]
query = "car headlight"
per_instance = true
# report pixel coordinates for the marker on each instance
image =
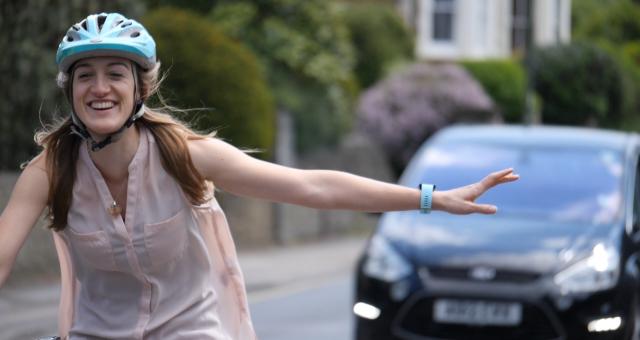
(597, 272)
(384, 263)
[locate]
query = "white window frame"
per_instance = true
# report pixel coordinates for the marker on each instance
(428, 47)
(447, 8)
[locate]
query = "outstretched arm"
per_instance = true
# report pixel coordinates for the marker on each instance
(234, 171)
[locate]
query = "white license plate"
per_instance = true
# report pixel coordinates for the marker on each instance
(475, 312)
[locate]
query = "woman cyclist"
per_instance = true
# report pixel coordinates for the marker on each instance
(144, 248)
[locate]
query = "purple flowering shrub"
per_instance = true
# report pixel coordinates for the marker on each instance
(405, 109)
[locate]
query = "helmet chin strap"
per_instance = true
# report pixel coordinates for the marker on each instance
(78, 128)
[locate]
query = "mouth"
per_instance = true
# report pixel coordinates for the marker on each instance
(101, 105)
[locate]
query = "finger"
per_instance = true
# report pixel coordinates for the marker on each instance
(501, 173)
(509, 178)
(487, 209)
(495, 178)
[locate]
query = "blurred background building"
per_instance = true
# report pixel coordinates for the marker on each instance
(476, 29)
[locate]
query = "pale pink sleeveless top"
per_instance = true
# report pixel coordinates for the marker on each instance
(168, 271)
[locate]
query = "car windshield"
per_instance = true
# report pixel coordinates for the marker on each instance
(568, 184)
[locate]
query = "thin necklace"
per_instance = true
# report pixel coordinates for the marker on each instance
(115, 209)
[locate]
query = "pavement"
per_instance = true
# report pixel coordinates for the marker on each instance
(28, 311)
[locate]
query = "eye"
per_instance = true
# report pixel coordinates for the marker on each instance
(84, 75)
(116, 74)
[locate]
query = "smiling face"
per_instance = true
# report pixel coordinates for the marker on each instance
(103, 93)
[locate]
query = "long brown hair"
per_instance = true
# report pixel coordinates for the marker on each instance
(171, 135)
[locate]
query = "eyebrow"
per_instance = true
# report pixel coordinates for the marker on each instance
(115, 63)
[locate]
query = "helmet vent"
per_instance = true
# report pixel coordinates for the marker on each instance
(69, 38)
(135, 34)
(128, 23)
(75, 28)
(101, 20)
(83, 23)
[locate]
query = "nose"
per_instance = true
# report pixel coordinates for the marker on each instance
(100, 86)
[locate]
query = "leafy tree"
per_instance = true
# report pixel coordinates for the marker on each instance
(380, 38)
(30, 31)
(306, 52)
(197, 6)
(611, 21)
(583, 10)
(614, 25)
(388, 3)
(208, 69)
(579, 84)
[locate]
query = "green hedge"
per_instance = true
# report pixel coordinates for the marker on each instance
(579, 84)
(380, 39)
(627, 57)
(305, 49)
(505, 82)
(198, 6)
(208, 69)
(612, 21)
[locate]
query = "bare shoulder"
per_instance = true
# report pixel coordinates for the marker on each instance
(39, 162)
(32, 187)
(202, 150)
(210, 155)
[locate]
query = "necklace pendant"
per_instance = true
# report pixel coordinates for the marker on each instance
(114, 209)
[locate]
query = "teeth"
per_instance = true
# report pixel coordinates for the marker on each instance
(101, 105)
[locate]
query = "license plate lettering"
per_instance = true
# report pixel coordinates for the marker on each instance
(472, 312)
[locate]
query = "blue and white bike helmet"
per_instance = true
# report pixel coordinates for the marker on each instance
(106, 34)
(101, 35)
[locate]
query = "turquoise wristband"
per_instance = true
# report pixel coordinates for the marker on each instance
(426, 197)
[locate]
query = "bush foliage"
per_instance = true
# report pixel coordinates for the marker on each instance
(403, 110)
(210, 70)
(614, 25)
(197, 6)
(380, 39)
(612, 21)
(579, 84)
(505, 82)
(306, 52)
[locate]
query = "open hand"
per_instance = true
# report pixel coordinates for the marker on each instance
(462, 200)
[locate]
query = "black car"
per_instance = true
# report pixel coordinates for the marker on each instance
(558, 261)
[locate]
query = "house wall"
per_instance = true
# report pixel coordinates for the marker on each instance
(482, 28)
(552, 22)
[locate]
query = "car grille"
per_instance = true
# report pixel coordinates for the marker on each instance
(500, 275)
(416, 321)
